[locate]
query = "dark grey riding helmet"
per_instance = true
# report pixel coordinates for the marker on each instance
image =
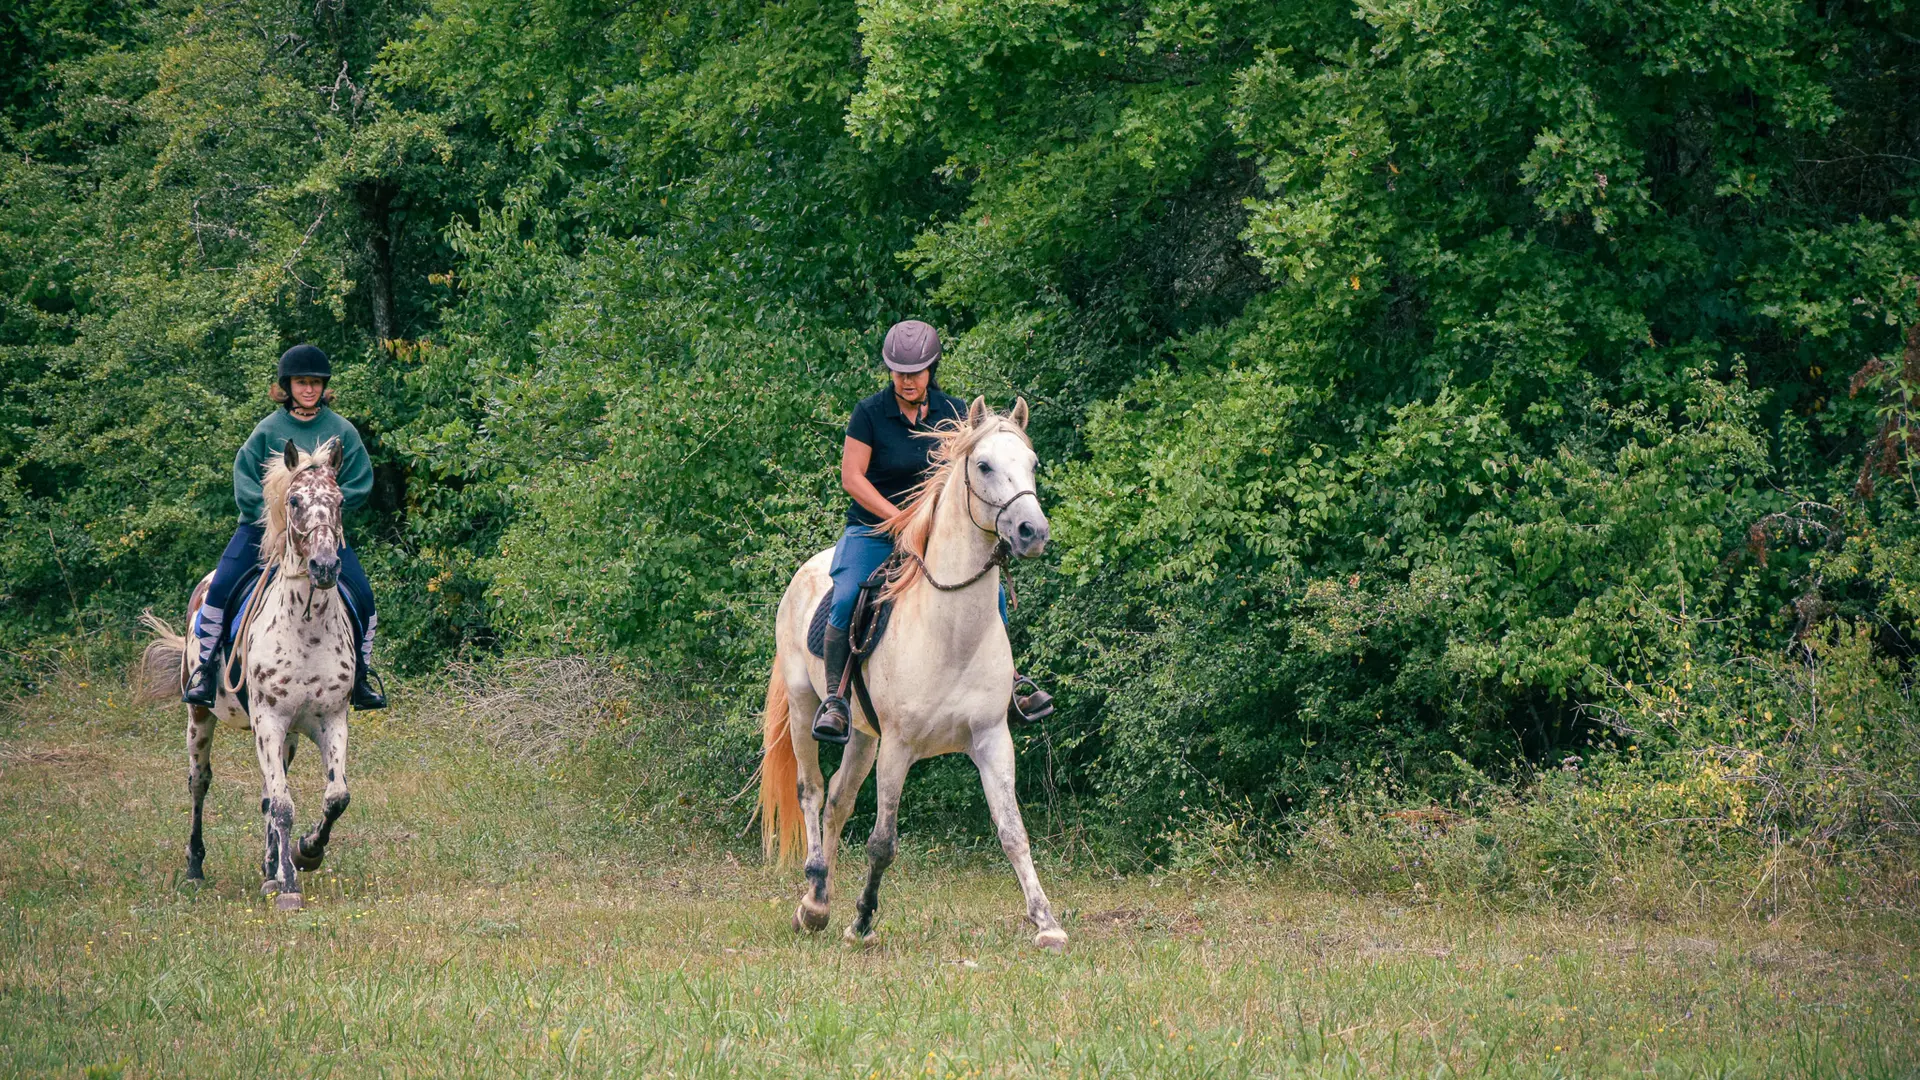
(306, 360)
(911, 346)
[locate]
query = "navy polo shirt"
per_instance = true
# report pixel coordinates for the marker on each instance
(900, 449)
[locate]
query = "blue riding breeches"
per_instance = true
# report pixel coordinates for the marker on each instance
(242, 554)
(858, 554)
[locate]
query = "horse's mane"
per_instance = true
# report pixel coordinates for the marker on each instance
(913, 525)
(273, 492)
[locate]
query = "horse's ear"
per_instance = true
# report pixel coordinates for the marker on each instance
(335, 455)
(291, 455)
(977, 412)
(1019, 414)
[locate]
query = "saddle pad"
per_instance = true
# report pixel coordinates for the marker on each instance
(817, 629)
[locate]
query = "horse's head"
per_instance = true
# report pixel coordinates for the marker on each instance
(304, 513)
(1000, 478)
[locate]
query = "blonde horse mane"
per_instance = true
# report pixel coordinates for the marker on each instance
(273, 492)
(913, 525)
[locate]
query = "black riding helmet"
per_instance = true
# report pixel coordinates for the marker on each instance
(305, 360)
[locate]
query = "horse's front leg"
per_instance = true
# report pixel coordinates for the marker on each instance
(270, 735)
(200, 724)
(992, 754)
(333, 758)
(895, 759)
(856, 763)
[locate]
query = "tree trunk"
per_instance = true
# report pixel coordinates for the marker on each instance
(375, 199)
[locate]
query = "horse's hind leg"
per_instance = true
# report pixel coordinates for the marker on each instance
(895, 760)
(200, 725)
(812, 913)
(992, 754)
(276, 810)
(333, 758)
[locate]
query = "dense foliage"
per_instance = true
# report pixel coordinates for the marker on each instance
(1418, 383)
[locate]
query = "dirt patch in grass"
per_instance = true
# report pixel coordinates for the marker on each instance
(50, 755)
(1134, 920)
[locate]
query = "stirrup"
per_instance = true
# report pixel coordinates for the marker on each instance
(823, 728)
(1040, 700)
(202, 687)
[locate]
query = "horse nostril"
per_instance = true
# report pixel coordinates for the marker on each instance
(1026, 530)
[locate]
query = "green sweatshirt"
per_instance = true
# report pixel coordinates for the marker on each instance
(269, 439)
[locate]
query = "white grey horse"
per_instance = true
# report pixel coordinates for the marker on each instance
(297, 655)
(939, 679)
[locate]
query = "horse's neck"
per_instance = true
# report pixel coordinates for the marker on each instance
(957, 549)
(295, 609)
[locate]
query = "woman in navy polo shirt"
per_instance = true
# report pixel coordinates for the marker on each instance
(884, 457)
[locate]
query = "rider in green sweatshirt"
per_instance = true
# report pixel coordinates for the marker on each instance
(305, 419)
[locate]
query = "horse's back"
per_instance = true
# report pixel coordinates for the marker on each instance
(809, 583)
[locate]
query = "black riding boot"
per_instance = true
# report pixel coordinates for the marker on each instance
(201, 688)
(831, 721)
(365, 697)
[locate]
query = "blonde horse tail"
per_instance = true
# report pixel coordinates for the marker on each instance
(780, 826)
(162, 671)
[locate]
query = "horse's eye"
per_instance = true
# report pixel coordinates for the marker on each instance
(293, 501)
(985, 468)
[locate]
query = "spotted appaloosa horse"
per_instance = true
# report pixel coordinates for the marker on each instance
(938, 679)
(296, 653)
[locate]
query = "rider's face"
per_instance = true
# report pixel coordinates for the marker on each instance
(307, 390)
(911, 389)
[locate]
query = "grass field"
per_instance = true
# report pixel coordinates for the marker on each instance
(475, 917)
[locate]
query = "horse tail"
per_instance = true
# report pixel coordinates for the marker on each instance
(162, 671)
(780, 827)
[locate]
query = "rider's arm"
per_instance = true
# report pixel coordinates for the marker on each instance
(855, 456)
(356, 472)
(247, 465)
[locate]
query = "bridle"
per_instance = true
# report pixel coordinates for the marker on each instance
(1002, 551)
(298, 539)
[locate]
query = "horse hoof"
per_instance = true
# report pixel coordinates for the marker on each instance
(304, 862)
(810, 917)
(287, 901)
(857, 939)
(1054, 940)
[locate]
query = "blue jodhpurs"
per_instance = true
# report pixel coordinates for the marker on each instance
(242, 554)
(858, 554)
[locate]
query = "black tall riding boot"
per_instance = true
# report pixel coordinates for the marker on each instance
(365, 697)
(201, 689)
(830, 721)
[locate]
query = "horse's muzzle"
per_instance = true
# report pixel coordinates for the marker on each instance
(1029, 538)
(324, 575)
